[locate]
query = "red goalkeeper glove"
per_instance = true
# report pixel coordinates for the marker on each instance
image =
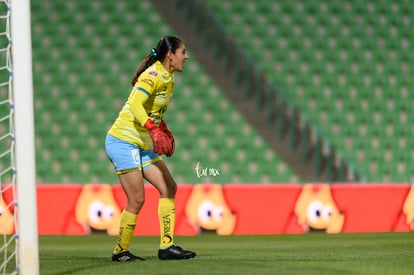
(159, 139)
(164, 128)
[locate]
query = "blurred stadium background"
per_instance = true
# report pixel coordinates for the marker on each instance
(274, 92)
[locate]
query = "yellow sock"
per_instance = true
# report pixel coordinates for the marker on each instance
(166, 214)
(126, 230)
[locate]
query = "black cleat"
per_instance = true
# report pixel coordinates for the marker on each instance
(125, 256)
(175, 253)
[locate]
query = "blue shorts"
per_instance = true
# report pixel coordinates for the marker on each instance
(127, 156)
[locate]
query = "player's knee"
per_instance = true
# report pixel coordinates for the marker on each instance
(136, 203)
(140, 200)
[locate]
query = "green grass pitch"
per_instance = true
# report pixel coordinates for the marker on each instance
(312, 253)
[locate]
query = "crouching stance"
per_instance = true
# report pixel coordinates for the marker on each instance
(137, 140)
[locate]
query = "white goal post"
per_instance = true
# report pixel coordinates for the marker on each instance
(27, 235)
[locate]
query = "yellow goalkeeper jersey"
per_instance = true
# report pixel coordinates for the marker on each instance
(149, 98)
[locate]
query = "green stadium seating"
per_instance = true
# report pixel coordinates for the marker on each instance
(84, 55)
(345, 65)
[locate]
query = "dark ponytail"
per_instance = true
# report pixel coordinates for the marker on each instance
(165, 45)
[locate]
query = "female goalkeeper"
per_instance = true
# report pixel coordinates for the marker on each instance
(136, 141)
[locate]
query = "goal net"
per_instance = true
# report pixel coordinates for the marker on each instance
(8, 251)
(18, 214)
